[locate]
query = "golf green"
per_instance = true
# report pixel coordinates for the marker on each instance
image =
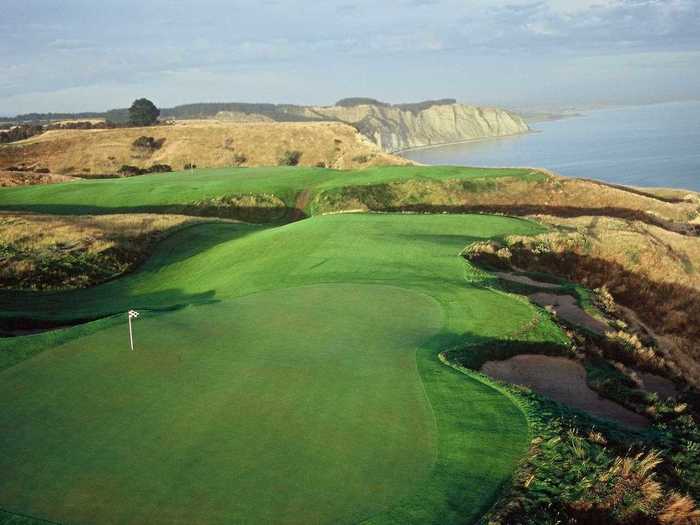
(297, 380)
(294, 403)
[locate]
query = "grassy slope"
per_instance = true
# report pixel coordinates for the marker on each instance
(221, 262)
(156, 192)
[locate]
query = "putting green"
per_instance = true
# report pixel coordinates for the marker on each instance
(299, 405)
(301, 385)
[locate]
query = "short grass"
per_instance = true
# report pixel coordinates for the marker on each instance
(157, 192)
(298, 381)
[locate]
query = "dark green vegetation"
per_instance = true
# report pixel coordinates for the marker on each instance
(143, 112)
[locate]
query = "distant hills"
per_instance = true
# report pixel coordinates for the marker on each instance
(276, 112)
(392, 127)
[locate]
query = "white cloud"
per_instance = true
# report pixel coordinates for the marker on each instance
(114, 47)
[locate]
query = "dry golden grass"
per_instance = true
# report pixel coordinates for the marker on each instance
(651, 272)
(541, 193)
(205, 143)
(654, 252)
(59, 252)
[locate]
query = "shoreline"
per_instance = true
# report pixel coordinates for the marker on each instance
(465, 141)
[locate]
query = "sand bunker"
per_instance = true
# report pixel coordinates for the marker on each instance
(564, 305)
(523, 279)
(567, 309)
(562, 380)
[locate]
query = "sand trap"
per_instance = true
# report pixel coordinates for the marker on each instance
(567, 309)
(523, 279)
(562, 380)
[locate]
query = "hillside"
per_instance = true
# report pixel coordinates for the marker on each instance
(208, 143)
(392, 127)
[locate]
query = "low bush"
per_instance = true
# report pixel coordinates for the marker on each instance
(361, 159)
(290, 158)
(129, 171)
(148, 143)
(20, 132)
(239, 159)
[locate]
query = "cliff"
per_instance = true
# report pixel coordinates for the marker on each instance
(395, 128)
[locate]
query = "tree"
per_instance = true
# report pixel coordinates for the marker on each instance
(143, 112)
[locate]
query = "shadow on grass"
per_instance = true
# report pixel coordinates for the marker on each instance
(252, 214)
(557, 211)
(57, 318)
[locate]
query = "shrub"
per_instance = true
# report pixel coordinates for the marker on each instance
(21, 132)
(148, 143)
(290, 158)
(189, 166)
(129, 171)
(239, 159)
(159, 168)
(362, 159)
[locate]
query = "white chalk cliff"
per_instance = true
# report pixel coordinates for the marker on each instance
(394, 128)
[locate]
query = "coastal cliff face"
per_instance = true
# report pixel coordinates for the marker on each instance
(402, 126)
(394, 128)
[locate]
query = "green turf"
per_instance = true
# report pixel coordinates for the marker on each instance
(301, 384)
(301, 402)
(162, 191)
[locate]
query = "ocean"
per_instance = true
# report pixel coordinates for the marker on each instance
(655, 146)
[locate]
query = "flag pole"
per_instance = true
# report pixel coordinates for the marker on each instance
(131, 335)
(132, 314)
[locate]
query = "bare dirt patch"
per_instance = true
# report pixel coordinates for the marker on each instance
(562, 380)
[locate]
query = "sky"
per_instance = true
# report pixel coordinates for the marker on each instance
(88, 55)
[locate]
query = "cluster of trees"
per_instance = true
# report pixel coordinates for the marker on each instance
(21, 132)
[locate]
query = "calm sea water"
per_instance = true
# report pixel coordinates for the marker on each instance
(657, 145)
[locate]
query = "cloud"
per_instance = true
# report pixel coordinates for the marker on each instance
(87, 45)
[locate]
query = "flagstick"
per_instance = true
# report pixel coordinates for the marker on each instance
(131, 335)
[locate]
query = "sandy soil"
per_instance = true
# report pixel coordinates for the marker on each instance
(567, 309)
(562, 380)
(523, 279)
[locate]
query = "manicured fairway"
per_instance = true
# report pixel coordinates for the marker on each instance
(160, 192)
(301, 386)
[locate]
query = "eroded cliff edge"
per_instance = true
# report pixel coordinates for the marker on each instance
(396, 127)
